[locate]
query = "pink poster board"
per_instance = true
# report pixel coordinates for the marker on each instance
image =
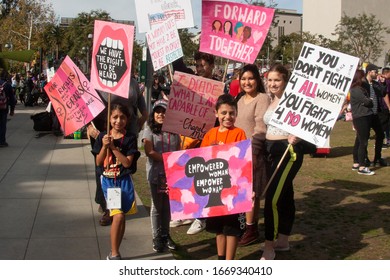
(74, 100)
(233, 30)
(210, 181)
(111, 57)
(191, 105)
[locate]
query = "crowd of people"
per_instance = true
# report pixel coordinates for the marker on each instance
(243, 112)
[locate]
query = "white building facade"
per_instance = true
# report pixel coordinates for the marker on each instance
(321, 17)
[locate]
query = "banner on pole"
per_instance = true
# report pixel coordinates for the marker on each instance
(315, 93)
(74, 100)
(234, 31)
(210, 181)
(191, 105)
(111, 57)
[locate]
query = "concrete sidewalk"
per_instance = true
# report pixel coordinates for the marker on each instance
(47, 207)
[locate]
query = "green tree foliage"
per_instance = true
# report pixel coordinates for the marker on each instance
(188, 44)
(361, 36)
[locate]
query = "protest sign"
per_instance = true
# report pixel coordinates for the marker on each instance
(210, 181)
(74, 100)
(234, 31)
(164, 43)
(191, 105)
(111, 57)
(152, 12)
(315, 93)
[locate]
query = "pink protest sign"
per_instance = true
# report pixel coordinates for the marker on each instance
(234, 31)
(111, 57)
(210, 181)
(191, 105)
(73, 98)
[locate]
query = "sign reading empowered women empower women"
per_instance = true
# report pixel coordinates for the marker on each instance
(210, 181)
(191, 105)
(234, 31)
(315, 93)
(74, 100)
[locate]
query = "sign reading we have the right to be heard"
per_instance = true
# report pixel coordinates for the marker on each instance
(315, 93)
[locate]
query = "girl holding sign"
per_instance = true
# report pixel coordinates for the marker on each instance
(284, 159)
(251, 108)
(116, 157)
(157, 142)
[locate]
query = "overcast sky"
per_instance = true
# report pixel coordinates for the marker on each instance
(125, 10)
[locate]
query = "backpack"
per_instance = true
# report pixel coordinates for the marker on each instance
(3, 97)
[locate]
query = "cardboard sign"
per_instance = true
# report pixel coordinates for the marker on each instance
(152, 12)
(74, 100)
(315, 93)
(210, 181)
(234, 31)
(111, 57)
(191, 105)
(164, 43)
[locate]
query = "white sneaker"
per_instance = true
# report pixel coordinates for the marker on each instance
(197, 226)
(178, 223)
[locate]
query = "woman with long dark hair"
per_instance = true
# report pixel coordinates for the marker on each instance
(252, 104)
(362, 113)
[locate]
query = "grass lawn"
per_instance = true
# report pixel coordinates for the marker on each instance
(339, 213)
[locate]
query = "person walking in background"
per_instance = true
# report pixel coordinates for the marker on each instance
(361, 107)
(157, 142)
(375, 91)
(228, 228)
(252, 104)
(7, 105)
(116, 156)
(386, 121)
(279, 206)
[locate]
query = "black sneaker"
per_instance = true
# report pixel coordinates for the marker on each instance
(158, 245)
(365, 171)
(355, 168)
(170, 243)
(380, 162)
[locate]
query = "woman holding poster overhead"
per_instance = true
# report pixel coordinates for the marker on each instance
(284, 159)
(251, 108)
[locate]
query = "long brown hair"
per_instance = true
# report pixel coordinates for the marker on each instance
(357, 78)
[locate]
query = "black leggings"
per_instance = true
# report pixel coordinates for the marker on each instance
(362, 126)
(279, 208)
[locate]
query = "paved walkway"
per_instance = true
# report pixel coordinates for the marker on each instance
(47, 208)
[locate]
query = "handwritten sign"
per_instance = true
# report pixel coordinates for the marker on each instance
(153, 12)
(234, 31)
(73, 98)
(191, 105)
(315, 93)
(164, 43)
(111, 57)
(210, 181)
